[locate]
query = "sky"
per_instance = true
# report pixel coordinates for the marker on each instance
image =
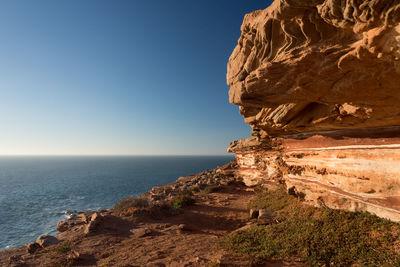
(118, 77)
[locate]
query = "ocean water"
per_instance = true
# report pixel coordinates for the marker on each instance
(36, 192)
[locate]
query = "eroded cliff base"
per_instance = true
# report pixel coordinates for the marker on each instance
(356, 170)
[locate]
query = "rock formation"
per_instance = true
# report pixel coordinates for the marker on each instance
(319, 83)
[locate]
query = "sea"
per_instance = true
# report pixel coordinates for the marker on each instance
(37, 192)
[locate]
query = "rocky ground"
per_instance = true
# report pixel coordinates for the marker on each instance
(186, 238)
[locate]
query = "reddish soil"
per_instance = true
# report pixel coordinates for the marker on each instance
(169, 243)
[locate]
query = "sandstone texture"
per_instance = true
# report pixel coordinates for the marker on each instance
(319, 83)
(318, 65)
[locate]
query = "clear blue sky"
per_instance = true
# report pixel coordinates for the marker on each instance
(118, 77)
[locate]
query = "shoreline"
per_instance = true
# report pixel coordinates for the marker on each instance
(203, 220)
(80, 224)
(38, 191)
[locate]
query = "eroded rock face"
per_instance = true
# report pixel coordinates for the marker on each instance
(319, 83)
(353, 173)
(318, 65)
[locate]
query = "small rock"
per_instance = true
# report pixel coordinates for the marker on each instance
(141, 232)
(103, 211)
(32, 247)
(266, 216)
(96, 217)
(47, 240)
(292, 191)
(156, 197)
(63, 226)
(83, 217)
(163, 226)
(75, 256)
(90, 228)
(254, 213)
(14, 258)
(184, 227)
(95, 220)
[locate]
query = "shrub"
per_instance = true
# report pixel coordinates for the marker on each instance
(186, 191)
(275, 200)
(134, 206)
(63, 248)
(318, 236)
(182, 201)
(131, 202)
(195, 189)
(162, 209)
(212, 189)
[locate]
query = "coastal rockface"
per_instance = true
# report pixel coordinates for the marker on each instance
(319, 83)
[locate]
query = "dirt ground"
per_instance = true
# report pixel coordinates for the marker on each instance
(186, 239)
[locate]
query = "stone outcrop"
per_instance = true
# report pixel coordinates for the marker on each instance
(319, 83)
(74, 220)
(219, 176)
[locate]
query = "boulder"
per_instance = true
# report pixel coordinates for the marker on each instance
(32, 247)
(94, 222)
(80, 219)
(47, 240)
(63, 226)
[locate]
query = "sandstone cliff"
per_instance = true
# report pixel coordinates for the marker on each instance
(319, 83)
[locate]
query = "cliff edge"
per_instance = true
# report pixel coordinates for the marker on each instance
(319, 83)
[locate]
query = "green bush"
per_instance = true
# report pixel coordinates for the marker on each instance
(141, 206)
(275, 200)
(182, 201)
(162, 209)
(63, 248)
(318, 236)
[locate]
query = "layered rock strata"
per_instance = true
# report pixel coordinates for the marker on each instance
(319, 83)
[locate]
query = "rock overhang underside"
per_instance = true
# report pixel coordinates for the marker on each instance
(319, 83)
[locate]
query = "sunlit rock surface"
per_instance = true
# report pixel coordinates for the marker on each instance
(319, 83)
